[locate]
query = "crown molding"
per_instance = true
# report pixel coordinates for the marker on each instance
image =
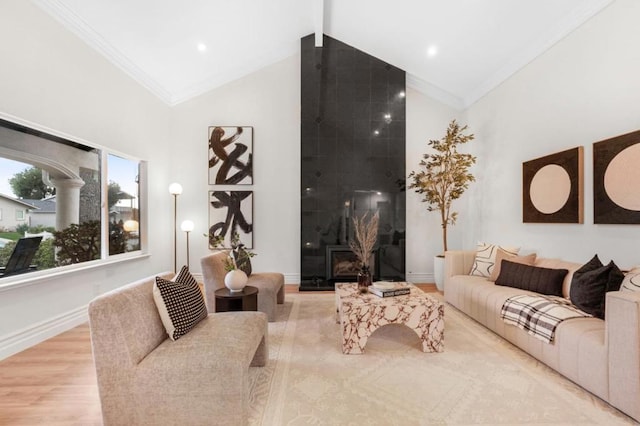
(526, 55)
(86, 33)
(213, 82)
(74, 23)
(434, 92)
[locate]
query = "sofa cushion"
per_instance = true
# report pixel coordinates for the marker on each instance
(486, 258)
(631, 281)
(531, 278)
(180, 303)
(501, 255)
(590, 284)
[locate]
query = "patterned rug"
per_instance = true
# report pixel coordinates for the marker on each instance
(479, 379)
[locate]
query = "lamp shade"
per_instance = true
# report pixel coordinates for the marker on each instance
(175, 189)
(130, 225)
(187, 225)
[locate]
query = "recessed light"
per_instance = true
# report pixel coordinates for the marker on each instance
(402, 94)
(202, 47)
(376, 132)
(432, 51)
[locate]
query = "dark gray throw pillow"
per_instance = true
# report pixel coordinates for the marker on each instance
(540, 280)
(590, 284)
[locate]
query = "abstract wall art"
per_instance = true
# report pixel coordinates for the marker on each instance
(230, 155)
(616, 180)
(552, 188)
(229, 212)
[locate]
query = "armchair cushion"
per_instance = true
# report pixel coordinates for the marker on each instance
(180, 303)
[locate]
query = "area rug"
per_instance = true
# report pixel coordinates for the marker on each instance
(479, 379)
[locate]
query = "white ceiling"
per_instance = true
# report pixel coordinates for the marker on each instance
(480, 42)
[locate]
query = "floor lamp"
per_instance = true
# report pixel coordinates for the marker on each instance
(175, 189)
(187, 226)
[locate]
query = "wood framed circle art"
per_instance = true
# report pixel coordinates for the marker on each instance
(552, 188)
(616, 180)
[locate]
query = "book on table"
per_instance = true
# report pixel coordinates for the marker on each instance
(395, 289)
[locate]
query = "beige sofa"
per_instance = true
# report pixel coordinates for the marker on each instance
(270, 285)
(601, 356)
(144, 378)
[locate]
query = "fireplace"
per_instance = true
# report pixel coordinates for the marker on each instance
(352, 161)
(342, 265)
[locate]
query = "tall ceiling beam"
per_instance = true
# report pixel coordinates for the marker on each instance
(319, 21)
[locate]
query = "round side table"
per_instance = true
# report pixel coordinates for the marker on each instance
(245, 300)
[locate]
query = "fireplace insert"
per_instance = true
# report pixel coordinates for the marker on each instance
(342, 265)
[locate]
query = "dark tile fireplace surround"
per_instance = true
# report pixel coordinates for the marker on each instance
(353, 161)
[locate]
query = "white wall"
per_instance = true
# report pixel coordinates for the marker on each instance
(583, 90)
(50, 78)
(426, 119)
(268, 100)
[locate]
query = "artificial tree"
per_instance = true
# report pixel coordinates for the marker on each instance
(444, 175)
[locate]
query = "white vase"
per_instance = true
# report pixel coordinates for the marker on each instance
(438, 272)
(235, 280)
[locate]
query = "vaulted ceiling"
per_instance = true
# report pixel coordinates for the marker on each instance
(453, 50)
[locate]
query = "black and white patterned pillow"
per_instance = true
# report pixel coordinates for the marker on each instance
(180, 303)
(631, 281)
(486, 258)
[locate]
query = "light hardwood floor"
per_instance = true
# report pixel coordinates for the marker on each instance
(54, 382)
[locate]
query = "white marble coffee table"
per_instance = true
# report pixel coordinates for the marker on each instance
(360, 315)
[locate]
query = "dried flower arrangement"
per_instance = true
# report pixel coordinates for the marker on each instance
(365, 236)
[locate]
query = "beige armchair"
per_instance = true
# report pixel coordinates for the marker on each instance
(145, 378)
(270, 285)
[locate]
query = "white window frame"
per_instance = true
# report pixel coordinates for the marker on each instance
(105, 258)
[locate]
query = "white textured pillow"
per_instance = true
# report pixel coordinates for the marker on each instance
(486, 258)
(631, 281)
(180, 303)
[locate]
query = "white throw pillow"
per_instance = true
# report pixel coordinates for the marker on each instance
(631, 281)
(180, 303)
(486, 258)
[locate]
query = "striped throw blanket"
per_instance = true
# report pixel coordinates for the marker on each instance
(539, 315)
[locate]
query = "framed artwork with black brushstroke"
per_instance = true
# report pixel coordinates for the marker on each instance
(616, 180)
(229, 212)
(230, 155)
(553, 188)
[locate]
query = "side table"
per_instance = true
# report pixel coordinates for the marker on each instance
(245, 300)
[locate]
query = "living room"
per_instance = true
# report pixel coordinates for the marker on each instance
(582, 90)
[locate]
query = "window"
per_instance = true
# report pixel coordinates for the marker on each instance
(55, 185)
(123, 203)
